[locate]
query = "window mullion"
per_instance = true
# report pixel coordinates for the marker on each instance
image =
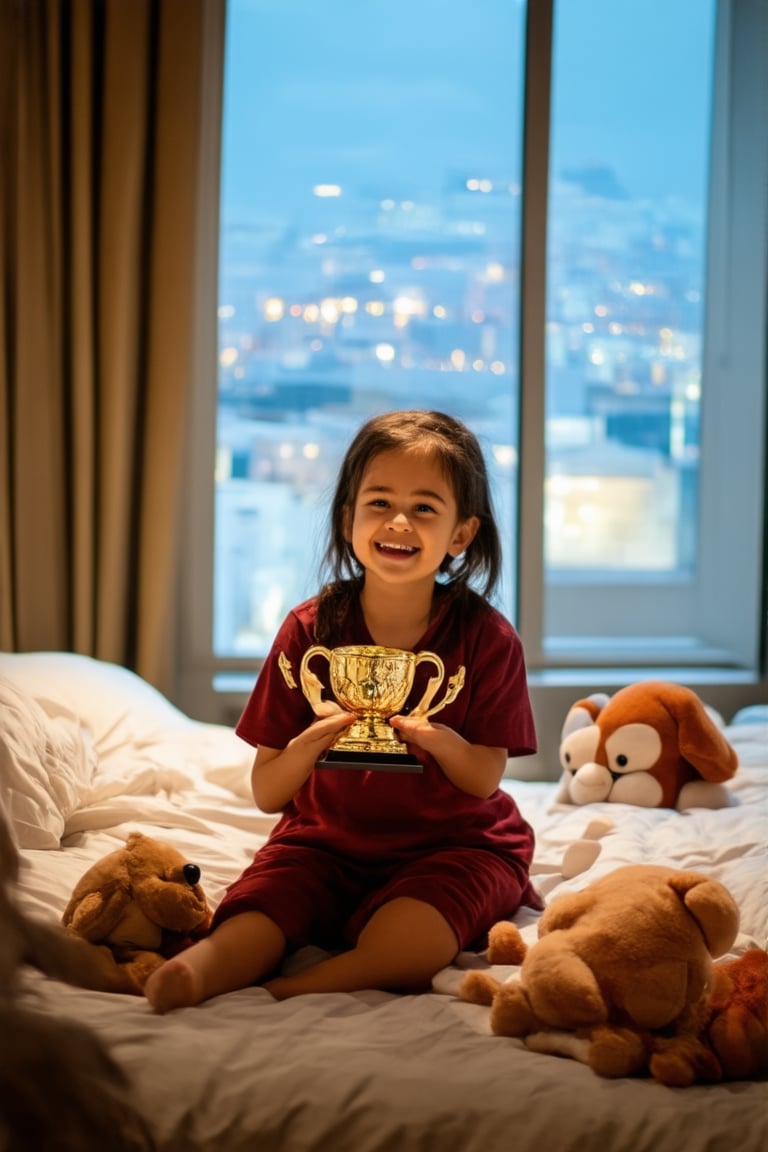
(530, 552)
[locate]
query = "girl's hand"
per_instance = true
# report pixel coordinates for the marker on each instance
(321, 733)
(418, 730)
(475, 768)
(278, 773)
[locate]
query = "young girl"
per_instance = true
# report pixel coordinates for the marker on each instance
(394, 872)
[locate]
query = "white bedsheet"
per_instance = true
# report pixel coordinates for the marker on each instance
(369, 1072)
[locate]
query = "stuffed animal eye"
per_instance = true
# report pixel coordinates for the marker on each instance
(579, 747)
(191, 873)
(641, 748)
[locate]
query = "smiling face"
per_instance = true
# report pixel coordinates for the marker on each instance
(404, 521)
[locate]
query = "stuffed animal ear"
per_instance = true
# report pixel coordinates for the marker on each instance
(700, 740)
(712, 907)
(94, 915)
(99, 898)
(583, 713)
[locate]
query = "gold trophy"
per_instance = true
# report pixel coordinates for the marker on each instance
(373, 683)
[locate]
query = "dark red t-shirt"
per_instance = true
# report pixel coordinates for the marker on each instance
(390, 815)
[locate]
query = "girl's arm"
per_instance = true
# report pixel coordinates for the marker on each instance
(475, 768)
(278, 773)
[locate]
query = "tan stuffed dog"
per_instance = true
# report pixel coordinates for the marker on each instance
(134, 908)
(652, 744)
(627, 958)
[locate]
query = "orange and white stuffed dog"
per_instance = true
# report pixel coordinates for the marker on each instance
(653, 744)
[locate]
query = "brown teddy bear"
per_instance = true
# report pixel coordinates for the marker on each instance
(652, 744)
(133, 909)
(627, 959)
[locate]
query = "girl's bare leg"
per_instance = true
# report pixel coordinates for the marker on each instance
(236, 954)
(401, 948)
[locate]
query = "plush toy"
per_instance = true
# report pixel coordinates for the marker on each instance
(578, 857)
(133, 909)
(626, 960)
(731, 1042)
(652, 744)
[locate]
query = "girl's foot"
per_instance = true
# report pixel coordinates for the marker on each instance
(174, 984)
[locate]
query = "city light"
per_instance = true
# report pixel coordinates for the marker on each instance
(274, 309)
(329, 310)
(505, 455)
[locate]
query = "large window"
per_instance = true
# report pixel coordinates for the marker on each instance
(548, 219)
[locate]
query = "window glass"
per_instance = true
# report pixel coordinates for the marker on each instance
(369, 260)
(628, 194)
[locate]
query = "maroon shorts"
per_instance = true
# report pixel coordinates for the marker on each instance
(318, 898)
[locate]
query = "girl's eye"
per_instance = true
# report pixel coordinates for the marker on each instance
(424, 508)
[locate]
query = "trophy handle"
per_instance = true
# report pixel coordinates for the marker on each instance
(455, 685)
(310, 684)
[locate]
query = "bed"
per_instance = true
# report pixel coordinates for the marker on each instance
(89, 752)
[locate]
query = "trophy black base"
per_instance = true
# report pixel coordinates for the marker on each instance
(370, 761)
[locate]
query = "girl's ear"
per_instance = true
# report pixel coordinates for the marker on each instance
(463, 536)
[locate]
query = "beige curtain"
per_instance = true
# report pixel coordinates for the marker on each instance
(101, 107)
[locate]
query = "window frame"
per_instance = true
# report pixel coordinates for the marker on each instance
(731, 670)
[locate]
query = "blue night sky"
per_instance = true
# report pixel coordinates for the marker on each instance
(354, 91)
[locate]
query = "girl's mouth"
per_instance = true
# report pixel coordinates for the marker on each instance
(398, 550)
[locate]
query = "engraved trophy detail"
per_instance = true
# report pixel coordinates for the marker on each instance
(373, 683)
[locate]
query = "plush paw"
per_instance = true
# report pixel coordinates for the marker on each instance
(617, 1052)
(579, 857)
(140, 968)
(478, 988)
(683, 1060)
(505, 944)
(511, 1012)
(704, 794)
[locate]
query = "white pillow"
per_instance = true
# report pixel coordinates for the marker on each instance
(47, 762)
(143, 743)
(117, 705)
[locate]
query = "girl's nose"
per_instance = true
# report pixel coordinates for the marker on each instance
(400, 522)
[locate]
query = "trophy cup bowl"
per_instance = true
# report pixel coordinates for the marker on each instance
(373, 683)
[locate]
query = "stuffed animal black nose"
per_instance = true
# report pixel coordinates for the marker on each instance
(191, 873)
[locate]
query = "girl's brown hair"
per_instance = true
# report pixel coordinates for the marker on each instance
(458, 453)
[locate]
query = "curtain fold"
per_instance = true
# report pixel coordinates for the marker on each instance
(100, 126)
